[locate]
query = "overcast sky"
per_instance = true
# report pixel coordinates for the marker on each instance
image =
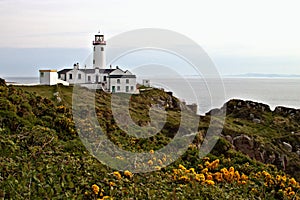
(257, 36)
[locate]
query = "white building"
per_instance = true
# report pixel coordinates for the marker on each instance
(50, 77)
(99, 77)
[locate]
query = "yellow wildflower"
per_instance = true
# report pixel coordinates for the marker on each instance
(112, 184)
(205, 170)
(209, 177)
(175, 171)
(128, 173)
(151, 151)
(184, 178)
(218, 176)
(224, 170)
(160, 162)
(206, 158)
(157, 167)
(288, 189)
(150, 162)
(283, 178)
(192, 170)
(278, 178)
(244, 177)
(214, 164)
(182, 167)
(254, 190)
(210, 182)
(293, 182)
(200, 177)
(243, 182)
(206, 163)
(292, 193)
(95, 188)
(118, 175)
(237, 176)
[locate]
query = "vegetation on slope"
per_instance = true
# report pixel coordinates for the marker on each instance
(42, 156)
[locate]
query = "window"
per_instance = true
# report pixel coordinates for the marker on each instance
(42, 74)
(94, 61)
(118, 81)
(104, 78)
(94, 48)
(127, 88)
(89, 78)
(118, 88)
(131, 88)
(113, 88)
(70, 76)
(102, 48)
(127, 81)
(79, 76)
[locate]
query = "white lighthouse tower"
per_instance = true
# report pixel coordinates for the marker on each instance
(99, 59)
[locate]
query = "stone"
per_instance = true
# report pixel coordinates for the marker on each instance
(287, 146)
(255, 120)
(228, 138)
(58, 99)
(242, 141)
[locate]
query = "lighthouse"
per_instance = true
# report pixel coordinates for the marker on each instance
(99, 59)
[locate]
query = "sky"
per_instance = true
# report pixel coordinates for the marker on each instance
(257, 36)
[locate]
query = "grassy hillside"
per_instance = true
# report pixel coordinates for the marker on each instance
(42, 156)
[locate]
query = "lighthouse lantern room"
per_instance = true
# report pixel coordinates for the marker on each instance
(99, 59)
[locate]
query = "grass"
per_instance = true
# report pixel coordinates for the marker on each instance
(43, 157)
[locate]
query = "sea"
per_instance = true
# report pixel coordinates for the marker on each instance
(212, 93)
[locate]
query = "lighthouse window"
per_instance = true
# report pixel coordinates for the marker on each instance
(118, 81)
(42, 74)
(79, 76)
(127, 81)
(127, 88)
(89, 78)
(104, 78)
(70, 76)
(102, 48)
(94, 61)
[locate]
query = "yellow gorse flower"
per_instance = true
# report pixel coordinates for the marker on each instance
(209, 182)
(128, 173)
(112, 184)
(293, 182)
(182, 167)
(95, 188)
(118, 175)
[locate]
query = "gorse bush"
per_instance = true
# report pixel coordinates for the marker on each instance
(42, 156)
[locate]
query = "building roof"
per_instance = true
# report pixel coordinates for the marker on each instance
(92, 71)
(48, 70)
(64, 71)
(87, 71)
(122, 76)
